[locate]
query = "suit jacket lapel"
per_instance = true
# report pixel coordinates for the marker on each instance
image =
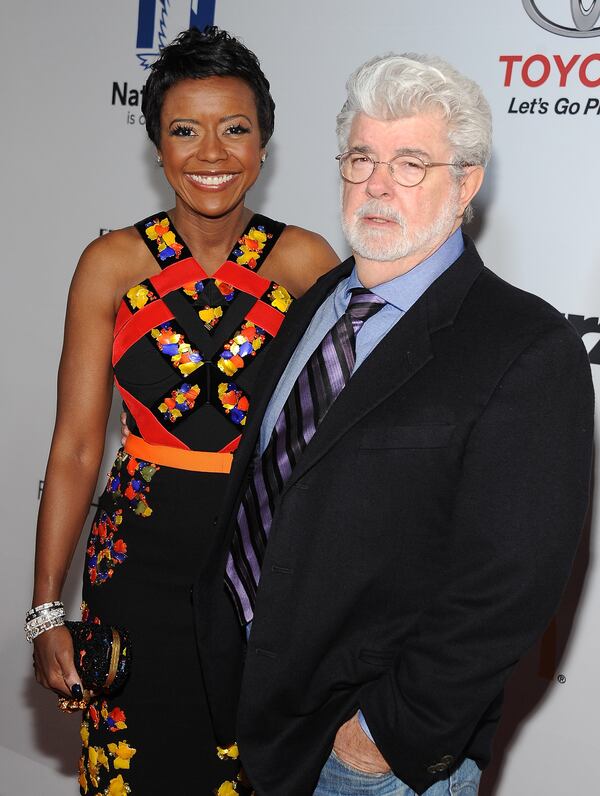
(404, 350)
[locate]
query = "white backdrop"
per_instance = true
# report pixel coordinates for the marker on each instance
(76, 160)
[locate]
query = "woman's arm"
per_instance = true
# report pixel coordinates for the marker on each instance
(84, 399)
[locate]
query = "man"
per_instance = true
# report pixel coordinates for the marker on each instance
(405, 510)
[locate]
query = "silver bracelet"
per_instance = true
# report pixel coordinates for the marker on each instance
(43, 617)
(32, 633)
(38, 609)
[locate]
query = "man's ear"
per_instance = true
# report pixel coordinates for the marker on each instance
(470, 184)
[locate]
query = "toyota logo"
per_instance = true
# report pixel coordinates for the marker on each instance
(585, 16)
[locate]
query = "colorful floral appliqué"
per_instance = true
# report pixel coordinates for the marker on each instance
(193, 289)
(96, 759)
(117, 787)
(250, 246)
(104, 551)
(246, 343)
(234, 403)
(130, 478)
(173, 345)
(212, 299)
(159, 230)
(280, 298)
(210, 316)
(228, 752)
(113, 720)
(180, 400)
(122, 753)
(226, 290)
(140, 295)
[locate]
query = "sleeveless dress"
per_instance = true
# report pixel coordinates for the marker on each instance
(185, 362)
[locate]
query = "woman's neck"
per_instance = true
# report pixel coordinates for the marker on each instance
(210, 239)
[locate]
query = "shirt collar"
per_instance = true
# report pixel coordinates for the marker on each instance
(404, 290)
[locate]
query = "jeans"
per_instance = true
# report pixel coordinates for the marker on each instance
(339, 779)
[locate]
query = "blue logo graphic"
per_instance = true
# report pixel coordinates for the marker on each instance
(159, 21)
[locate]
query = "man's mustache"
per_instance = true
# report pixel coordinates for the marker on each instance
(376, 208)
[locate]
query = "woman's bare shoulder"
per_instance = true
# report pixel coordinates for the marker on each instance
(114, 246)
(114, 262)
(304, 257)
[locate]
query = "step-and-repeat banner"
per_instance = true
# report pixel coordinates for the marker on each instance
(77, 163)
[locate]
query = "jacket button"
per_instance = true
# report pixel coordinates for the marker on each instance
(437, 768)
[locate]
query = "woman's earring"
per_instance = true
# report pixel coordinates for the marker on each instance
(263, 157)
(159, 161)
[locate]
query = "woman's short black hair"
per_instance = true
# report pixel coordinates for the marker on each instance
(208, 53)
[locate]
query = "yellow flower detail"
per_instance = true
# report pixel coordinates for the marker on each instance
(210, 313)
(169, 237)
(96, 758)
(84, 731)
(189, 367)
(280, 298)
(227, 789)
(82, 779)
(138, 296)
(257, 235)
(122, 753)
(246, 256)
(117, 787)
(231, 752)
(152, 232)
(226, 366)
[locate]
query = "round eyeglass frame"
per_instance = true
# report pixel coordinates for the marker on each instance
(390, 165)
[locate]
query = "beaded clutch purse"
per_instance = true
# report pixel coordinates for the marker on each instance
(102, 656)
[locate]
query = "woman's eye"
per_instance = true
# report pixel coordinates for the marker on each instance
(237, 129)
(182, 130)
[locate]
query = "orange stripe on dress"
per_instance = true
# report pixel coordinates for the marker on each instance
(196, 461)
(152, 431)
(176, 275)
(265, 316)
(242, 278)
(140, 324)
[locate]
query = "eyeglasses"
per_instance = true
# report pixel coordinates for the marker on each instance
(406, 170)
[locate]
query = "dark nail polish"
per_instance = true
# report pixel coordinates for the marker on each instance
(76, 691)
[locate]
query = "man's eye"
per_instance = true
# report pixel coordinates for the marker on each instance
(356, 160)
(182, 130)
(408, 163)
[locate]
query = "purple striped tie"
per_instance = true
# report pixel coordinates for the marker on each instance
(318, 385)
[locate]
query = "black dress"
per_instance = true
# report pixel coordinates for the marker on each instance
(185, 362)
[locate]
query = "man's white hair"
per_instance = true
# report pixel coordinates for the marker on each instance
(399, 86)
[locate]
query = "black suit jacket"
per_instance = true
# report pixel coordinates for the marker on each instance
(422, 542)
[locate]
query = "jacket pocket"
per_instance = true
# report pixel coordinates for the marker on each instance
(377, 657)
(429, 436)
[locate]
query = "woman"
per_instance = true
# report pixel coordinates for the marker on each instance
(192, 296)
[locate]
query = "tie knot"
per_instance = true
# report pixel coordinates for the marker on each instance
(363, 305)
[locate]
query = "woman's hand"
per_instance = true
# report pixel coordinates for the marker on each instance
(54, 665)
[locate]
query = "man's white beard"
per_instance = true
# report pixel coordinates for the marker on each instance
(393, 243)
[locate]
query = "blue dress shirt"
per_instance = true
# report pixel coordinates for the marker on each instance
(399, 294)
